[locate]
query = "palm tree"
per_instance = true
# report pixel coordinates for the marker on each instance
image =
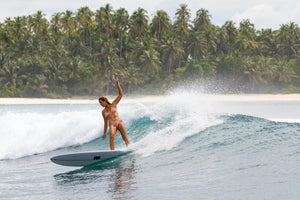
(55, 65)
(232, 33)
(71, 73)
(134, 77)
(202, 37)
(56, 23)
(222, 41)
(10, 77)
(181, 25)
(17, 32)
(110, 63)
(202, 20)
(284, 70)
(149, 59)
(19, 27)
(211, 39)
(267, 42)
(160, 24)
(7, 33)
(246, 41)
(181, 29)
(104, 20)
(197, 46)
(40, 26)
(68, 25)
(172, 52)
(85, 22)
(247, 29)
(139, 23)
(288, 36)
(121, 20)
(36, 86)
(245, 46)
(257, 71)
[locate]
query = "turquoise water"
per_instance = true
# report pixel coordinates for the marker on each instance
(184, 147)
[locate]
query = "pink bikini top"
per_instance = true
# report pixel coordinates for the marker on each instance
(112, 110)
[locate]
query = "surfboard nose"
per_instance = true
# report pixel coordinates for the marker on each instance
(53, 159)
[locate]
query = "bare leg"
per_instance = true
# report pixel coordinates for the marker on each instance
(122, 130)
(112, 133)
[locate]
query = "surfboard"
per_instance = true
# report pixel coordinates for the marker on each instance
(85, 158)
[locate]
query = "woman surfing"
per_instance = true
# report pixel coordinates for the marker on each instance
(112, 119)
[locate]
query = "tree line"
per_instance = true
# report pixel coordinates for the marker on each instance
(81, 53)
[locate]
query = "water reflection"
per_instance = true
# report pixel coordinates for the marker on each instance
(116, 178)
(123, 184)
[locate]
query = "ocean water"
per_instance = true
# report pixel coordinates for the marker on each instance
(183, 147)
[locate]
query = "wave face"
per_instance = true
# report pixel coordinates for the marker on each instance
(181, 120)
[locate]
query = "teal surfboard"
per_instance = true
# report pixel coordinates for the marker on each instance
(85, 158)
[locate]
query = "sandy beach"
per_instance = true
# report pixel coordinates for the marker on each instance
(156, 98)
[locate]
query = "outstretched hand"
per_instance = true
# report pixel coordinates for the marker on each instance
(117, 80)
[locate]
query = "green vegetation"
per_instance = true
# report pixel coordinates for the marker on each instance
(80, 53)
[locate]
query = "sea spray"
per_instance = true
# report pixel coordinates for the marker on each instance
(177, 116)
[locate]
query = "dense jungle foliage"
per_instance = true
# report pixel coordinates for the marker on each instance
(81, 53)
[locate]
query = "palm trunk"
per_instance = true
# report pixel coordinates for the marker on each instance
(107, 88)
(91, 47)
(121, 45)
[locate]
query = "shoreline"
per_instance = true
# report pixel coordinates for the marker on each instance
(156, 98)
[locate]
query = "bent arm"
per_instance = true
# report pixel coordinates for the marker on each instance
(105, 126)
(118, 99)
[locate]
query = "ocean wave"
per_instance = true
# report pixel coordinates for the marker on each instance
(27, 133)
(151, 128)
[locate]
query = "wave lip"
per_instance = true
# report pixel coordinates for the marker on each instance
(288, 120)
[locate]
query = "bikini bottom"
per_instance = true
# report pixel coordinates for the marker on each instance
(116, 123)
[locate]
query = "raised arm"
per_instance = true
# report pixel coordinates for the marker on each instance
(117, 100)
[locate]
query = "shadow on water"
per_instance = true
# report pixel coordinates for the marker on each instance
(116, 174)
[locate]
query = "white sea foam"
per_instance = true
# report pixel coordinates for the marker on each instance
(29, 133)
(25, 132)
(190, 114)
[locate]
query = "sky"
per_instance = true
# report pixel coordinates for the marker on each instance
(262, 13)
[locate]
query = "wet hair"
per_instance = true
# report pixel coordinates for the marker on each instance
(103, 98)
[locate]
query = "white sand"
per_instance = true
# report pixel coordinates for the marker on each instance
(153, 99)
(77, 100)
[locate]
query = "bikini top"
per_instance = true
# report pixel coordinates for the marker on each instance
(112, 110)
